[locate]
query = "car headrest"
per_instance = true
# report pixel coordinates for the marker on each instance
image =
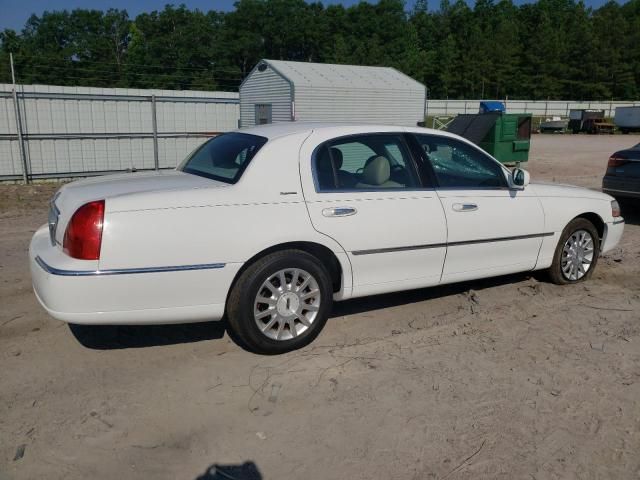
(377, 171)
(338, 159)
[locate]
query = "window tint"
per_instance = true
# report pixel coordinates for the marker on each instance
(224, 157)
(367, 162)
(459, 165)
(352, 155)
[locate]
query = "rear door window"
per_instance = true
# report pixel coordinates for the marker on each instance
(365, 162)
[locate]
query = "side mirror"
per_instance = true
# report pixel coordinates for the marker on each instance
(520, 178)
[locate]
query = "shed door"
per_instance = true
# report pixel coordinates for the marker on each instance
(263, 113)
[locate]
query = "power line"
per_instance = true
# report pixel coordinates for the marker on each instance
(221, 69)
(110, 82)
(123, 73)
(35, 70)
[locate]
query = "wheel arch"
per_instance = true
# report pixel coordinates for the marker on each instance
(597, 222)
(328, 258)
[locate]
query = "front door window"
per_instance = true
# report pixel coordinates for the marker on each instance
(459, 165)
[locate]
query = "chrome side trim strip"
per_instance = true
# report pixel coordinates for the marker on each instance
(501, 239)
(123, 271)
(450, 244)
(398, 249)
(620, 220)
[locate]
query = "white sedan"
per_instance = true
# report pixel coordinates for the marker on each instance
(269, 225)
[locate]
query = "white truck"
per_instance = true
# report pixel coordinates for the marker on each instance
(627, 119)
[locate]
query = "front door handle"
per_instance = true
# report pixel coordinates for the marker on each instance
(464, 207)
(339, 212)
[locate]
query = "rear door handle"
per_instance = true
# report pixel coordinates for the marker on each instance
(339, 212)
(464, 207)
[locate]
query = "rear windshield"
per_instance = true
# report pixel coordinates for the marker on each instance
(224, 157)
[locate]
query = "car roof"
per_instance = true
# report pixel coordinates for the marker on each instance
(283, 129)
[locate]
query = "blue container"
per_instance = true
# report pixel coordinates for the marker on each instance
(488, 107)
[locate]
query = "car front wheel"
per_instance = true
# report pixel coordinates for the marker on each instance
(576, 254)
(280, 303)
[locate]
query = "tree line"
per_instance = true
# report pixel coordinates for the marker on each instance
(550, 49)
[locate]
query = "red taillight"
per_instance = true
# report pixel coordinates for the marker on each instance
(83, 236)
(617, 162)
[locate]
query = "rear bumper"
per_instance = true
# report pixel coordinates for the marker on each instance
(612, 235)
(78, 292)
(621, 187)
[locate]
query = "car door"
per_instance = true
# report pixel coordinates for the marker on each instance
(364, 191)
(492, 229)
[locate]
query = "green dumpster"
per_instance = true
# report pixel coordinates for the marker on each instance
(505, 136)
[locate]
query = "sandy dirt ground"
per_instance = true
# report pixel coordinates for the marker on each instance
(506, 378)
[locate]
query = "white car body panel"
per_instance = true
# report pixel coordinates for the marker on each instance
(173, 242)
(131, 298)
(384, 221)
(76, 194)
(561, 203)
(513, 218)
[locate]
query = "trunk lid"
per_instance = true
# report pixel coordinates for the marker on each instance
(73, 195)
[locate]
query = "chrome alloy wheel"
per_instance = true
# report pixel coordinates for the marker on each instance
(577, 255)
(287, 303)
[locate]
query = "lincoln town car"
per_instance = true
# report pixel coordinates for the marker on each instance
(266, 227)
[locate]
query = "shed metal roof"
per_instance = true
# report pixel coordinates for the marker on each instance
(344, 76)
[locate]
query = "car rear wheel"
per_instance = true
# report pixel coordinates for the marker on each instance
(577, 253)
(280, 303)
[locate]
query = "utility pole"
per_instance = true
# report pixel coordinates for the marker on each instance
(23, 154)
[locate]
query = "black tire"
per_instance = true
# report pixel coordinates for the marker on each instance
(241, 301)
(555, 271)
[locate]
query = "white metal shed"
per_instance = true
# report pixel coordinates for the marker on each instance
(281, 91)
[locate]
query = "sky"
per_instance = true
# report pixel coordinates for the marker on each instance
(14, 13)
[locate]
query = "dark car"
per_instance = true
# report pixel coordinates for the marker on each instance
(623, 174)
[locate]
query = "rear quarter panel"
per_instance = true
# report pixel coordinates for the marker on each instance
(217, 225)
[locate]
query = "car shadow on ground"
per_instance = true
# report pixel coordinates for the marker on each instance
(112, 337)
(245, 471)
(389, 300)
